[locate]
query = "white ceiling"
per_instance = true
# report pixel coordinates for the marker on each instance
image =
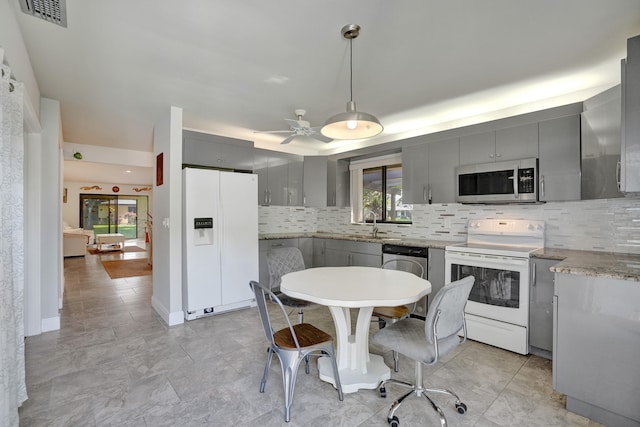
(236, 67)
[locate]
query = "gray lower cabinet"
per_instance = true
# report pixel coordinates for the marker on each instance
(541, 306)
(559, 172)
(338, 253)
(263, 248)
(435, 271)
(596, 346)
(319, 252)
(305, 244)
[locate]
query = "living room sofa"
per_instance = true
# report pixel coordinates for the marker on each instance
(75, 241)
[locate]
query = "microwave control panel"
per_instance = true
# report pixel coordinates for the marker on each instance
(526, 180)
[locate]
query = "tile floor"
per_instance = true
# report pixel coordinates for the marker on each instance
(115, 363)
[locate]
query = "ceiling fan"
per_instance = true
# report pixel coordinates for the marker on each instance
(300, 127)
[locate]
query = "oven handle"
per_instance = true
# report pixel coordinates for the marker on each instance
(515, 181)
(460, 258)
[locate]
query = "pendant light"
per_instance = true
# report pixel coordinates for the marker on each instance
(352, 124)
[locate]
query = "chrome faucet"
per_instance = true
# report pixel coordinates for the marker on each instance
(374, 230)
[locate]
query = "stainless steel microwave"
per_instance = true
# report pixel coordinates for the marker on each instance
(513, 181)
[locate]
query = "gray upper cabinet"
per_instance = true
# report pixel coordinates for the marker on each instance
(519, 142)
(443, 158)
(478, 148)
(338, 179)
(326, 182)
(279, 178)
(315, 181)
(415, 177)
(600, 142)
(630, 161)
(559, 160)
(428, 172)
(203, 149)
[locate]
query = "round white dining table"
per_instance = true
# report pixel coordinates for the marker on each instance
(362, 288)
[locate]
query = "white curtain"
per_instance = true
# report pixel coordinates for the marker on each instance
(13, 391)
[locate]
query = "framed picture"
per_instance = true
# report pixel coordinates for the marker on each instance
(159, 169)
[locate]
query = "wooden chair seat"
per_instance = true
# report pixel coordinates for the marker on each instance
(398, 312)
(307, 334)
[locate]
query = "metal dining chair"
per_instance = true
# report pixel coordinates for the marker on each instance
(281, 261)
(426, 342)
(393, 314)
(291, 344)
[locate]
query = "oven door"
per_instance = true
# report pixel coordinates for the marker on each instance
(501, 289)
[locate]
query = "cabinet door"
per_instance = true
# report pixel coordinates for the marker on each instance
(334, 257)
(305, 244)
(338, 182)
(318, 252)
(519, 142)
(261, 168)
(443, 157)
(541, 304)
(294, 183)
(365, 260)
(415, 179)
(237, 157)
(278, 181)
(559, 164)
(478, 148)
(435, 271)
(314, 181)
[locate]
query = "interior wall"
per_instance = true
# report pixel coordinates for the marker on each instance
(167, 218)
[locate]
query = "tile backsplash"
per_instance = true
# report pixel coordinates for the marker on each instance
(611, 225)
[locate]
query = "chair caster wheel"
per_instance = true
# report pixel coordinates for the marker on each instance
(461, 408)
(383, 392)
(394, 422)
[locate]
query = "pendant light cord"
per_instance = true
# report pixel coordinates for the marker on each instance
(351, 68)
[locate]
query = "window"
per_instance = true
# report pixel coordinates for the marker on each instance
(376, 189)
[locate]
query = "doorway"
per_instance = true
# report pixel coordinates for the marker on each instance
(106, 214)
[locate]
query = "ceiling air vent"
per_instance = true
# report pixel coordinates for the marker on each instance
(54, 11)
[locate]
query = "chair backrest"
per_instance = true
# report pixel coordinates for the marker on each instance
(262, 296)
(446, 313)
(404, 264)
(281, 261)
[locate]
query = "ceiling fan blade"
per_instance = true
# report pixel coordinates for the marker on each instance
(320, 137)
(273, 131)
(288, 139)
(293, 123)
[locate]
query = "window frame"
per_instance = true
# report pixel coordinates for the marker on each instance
(357, 168)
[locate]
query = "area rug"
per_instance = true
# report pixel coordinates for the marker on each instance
(94, 251)
(127, 268)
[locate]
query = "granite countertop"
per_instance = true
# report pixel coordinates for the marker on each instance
(403, 241)
(593, 263)
(584, 263)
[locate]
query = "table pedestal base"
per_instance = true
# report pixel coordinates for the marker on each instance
(353, 379)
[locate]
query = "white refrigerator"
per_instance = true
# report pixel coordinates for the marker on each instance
(220, 241)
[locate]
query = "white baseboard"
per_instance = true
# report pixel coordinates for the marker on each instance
(175, 318)
(50, 324)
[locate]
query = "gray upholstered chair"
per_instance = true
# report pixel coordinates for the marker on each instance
(281, 261)
(426, 342)
(291, 344)
(393, 314)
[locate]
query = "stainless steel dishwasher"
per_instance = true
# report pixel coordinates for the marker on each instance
(413, 253)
